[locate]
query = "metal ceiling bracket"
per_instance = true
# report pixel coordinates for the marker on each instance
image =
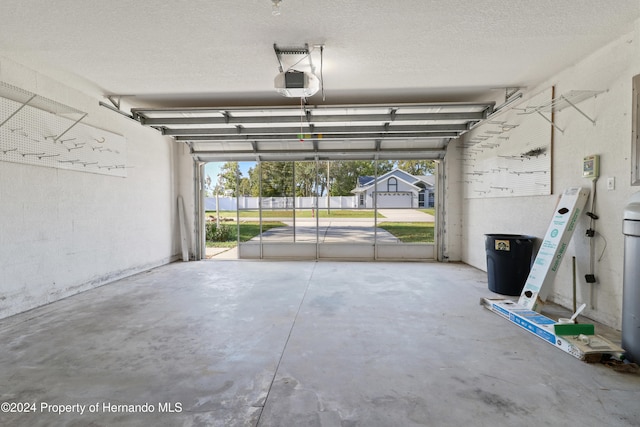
(313, 68)
(115, 100)
(508, 101)
(279, 51)
(509, 92)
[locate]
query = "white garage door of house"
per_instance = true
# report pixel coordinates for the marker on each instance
(323, 132)
(394, 200)
(284, 133)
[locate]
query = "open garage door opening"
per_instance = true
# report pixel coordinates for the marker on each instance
(386, 137)
(320, 209)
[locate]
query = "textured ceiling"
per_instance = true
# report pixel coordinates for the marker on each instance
(220, 52)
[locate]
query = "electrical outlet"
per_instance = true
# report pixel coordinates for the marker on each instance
(611, 183)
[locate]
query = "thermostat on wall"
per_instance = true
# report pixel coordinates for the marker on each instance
(591, 167)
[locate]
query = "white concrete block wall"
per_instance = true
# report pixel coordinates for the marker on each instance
(611, 69)
(185, 170)
(451, 216)
(61, 231)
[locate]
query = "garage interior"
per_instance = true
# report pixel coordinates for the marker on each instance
(109, 112)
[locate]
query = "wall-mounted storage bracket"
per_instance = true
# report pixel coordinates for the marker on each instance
(499, 159)
(116, 101)
(38, 131)
(26, 98)
(24, 104)
(69, 128)
(570, 99)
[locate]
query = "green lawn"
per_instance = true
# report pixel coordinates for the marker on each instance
(248, 230)
(430, 211)
(300, 213)
(410, 232)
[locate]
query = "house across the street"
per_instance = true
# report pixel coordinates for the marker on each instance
(395, 189)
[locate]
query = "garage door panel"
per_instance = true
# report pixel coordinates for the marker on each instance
(394, 200)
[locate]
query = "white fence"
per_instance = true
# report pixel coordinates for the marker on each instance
(242, 202)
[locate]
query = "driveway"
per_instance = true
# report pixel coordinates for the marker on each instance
(405, 215)
(329, 232)
(354, 230)
(333, 230)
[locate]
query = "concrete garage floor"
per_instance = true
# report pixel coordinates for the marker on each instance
(246, 343)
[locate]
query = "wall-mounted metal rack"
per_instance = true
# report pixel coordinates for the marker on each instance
(25, 98)
(510, 153)
(38, 131)
(569, 99)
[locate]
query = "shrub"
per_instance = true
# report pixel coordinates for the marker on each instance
(219, 232)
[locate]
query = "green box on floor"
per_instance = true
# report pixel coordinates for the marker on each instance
(574, 329)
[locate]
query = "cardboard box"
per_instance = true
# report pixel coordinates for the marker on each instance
(591, 349)
(553, 247)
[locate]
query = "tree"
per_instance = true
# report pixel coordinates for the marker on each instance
(228, 174)
(208, 186)
(417, 167)
(254, 181)
(343, 175)
(245, 187)
(306, 182)
(277, 179)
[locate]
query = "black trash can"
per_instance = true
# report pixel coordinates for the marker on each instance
(508, 262)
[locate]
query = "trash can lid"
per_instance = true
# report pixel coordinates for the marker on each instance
(509, 236)
(632, 210)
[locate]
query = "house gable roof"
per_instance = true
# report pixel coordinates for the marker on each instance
(382, 180)
(366, 182)
(430, 180)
